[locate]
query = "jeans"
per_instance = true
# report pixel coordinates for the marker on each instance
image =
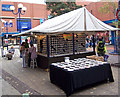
(24, 65)
(87, 45)
(20, 54)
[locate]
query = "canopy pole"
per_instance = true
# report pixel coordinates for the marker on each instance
(47, 46)
(73, 45)
(85, 19)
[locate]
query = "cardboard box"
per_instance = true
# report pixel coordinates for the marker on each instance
(94, 57)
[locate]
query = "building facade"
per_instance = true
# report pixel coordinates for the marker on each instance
(29, 20)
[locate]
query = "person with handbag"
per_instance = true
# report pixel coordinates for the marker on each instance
(32, 54)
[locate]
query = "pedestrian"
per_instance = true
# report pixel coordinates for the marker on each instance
(26, 51)
(97, 40)
(10, 53)
(103, 40)
(12, 50)
(32, 54)
(26, 44)
(90, 41)
(110, 40)
(87, 42)
(31, 42)
(22, 50)
(101, 48)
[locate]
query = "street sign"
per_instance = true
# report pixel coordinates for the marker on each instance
(6, 7)
(118, 14)
(6, 41)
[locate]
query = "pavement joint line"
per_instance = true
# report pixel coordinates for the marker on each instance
(20, 86)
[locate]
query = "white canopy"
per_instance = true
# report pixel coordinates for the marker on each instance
(80, 20)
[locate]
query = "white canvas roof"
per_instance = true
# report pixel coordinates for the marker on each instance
(80, 20)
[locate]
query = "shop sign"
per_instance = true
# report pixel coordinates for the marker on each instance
(6, 7)
(118, 14)
(25, 24)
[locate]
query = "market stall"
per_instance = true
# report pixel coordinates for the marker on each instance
(65, 35)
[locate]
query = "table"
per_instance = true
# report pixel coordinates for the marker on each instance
(69, 81)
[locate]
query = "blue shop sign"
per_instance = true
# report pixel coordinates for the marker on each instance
(25, 24)
(6, 7)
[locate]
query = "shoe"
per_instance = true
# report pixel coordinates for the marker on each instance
(24, 67)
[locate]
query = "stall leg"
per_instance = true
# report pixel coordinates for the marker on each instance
(94, 44)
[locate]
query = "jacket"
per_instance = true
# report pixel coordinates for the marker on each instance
(33, 52)
(98, 51)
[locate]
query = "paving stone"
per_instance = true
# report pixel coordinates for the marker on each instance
(7, 89)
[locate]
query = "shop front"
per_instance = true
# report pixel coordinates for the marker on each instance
(10, 39)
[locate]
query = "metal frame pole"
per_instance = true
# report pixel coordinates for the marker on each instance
(7, 33)
(73, 45)
(19, 10)
(94, 43)
(47, 46)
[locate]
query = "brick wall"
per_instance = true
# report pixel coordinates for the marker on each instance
(94, 9)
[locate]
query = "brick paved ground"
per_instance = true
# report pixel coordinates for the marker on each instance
(38, 80)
